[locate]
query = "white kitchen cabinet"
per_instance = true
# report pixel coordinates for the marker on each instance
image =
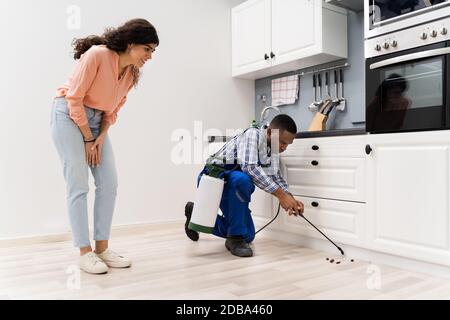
(251, 35)
(326, 147)
(332, 168)
(289, 33)
(408, 195)
(261, 206)
(391, 204)
(275, 36)
(333, 178)
(328, 176)
(343, 221)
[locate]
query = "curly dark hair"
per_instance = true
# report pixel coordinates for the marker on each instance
(135, 31)
(391, 82)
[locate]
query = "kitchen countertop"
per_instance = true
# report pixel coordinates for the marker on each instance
(330, 133)
(307, 134)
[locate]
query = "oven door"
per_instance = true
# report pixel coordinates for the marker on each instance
(408, 90)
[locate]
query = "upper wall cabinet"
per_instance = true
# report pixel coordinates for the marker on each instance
(275, 36)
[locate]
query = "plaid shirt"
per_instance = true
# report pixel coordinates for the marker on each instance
(251, 152)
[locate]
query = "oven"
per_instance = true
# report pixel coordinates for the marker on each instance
(385, 16)
(409, 90)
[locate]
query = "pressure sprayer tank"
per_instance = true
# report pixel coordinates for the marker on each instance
(206, 205)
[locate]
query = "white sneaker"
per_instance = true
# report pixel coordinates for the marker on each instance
(114, 260)
(90, 263)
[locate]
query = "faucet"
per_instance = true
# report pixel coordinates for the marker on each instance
(263, 114)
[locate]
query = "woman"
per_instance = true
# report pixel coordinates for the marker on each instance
(84, 109)
(387, 110)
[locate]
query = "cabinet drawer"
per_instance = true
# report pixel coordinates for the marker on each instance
(334, 178)
(347, 147)
(342, 221)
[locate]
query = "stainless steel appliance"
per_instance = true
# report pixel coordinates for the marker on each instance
(385, 16)
(408, 79)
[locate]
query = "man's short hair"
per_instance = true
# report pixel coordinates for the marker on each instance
(284, 122)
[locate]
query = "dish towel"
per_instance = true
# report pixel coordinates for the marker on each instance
(285, 90)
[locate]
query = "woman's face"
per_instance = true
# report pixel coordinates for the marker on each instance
(140, 53)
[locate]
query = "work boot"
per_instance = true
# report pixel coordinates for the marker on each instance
(238, 247)
(192, 234)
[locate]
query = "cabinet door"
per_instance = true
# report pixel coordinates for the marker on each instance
(251, 36)
(343, 221)
(327, 167)
(296, 26)
(408, 195)
(262, 207)
(335, 147)
(326, 177)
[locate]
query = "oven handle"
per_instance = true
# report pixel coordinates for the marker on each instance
(409, 57)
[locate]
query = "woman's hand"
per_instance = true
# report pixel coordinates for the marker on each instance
(91, 153)
(98, 144)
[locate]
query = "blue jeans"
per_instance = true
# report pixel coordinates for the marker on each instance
(237, 219)
(70, 146)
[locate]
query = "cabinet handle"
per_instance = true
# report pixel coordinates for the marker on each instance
(272, 55)
(315, 163)
(266, 56)
(315, 148)
(315, 204)
(368, 149)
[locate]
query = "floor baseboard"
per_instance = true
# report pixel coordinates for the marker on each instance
(120, 230)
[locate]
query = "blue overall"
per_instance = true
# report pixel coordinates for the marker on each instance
(237, 192)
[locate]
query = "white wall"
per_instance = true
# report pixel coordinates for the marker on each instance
(188, 79)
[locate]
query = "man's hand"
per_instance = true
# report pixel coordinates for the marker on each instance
(288, 203)
(292, 206)
(300, 206)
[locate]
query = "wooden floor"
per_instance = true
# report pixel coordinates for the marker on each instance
(169, 266)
